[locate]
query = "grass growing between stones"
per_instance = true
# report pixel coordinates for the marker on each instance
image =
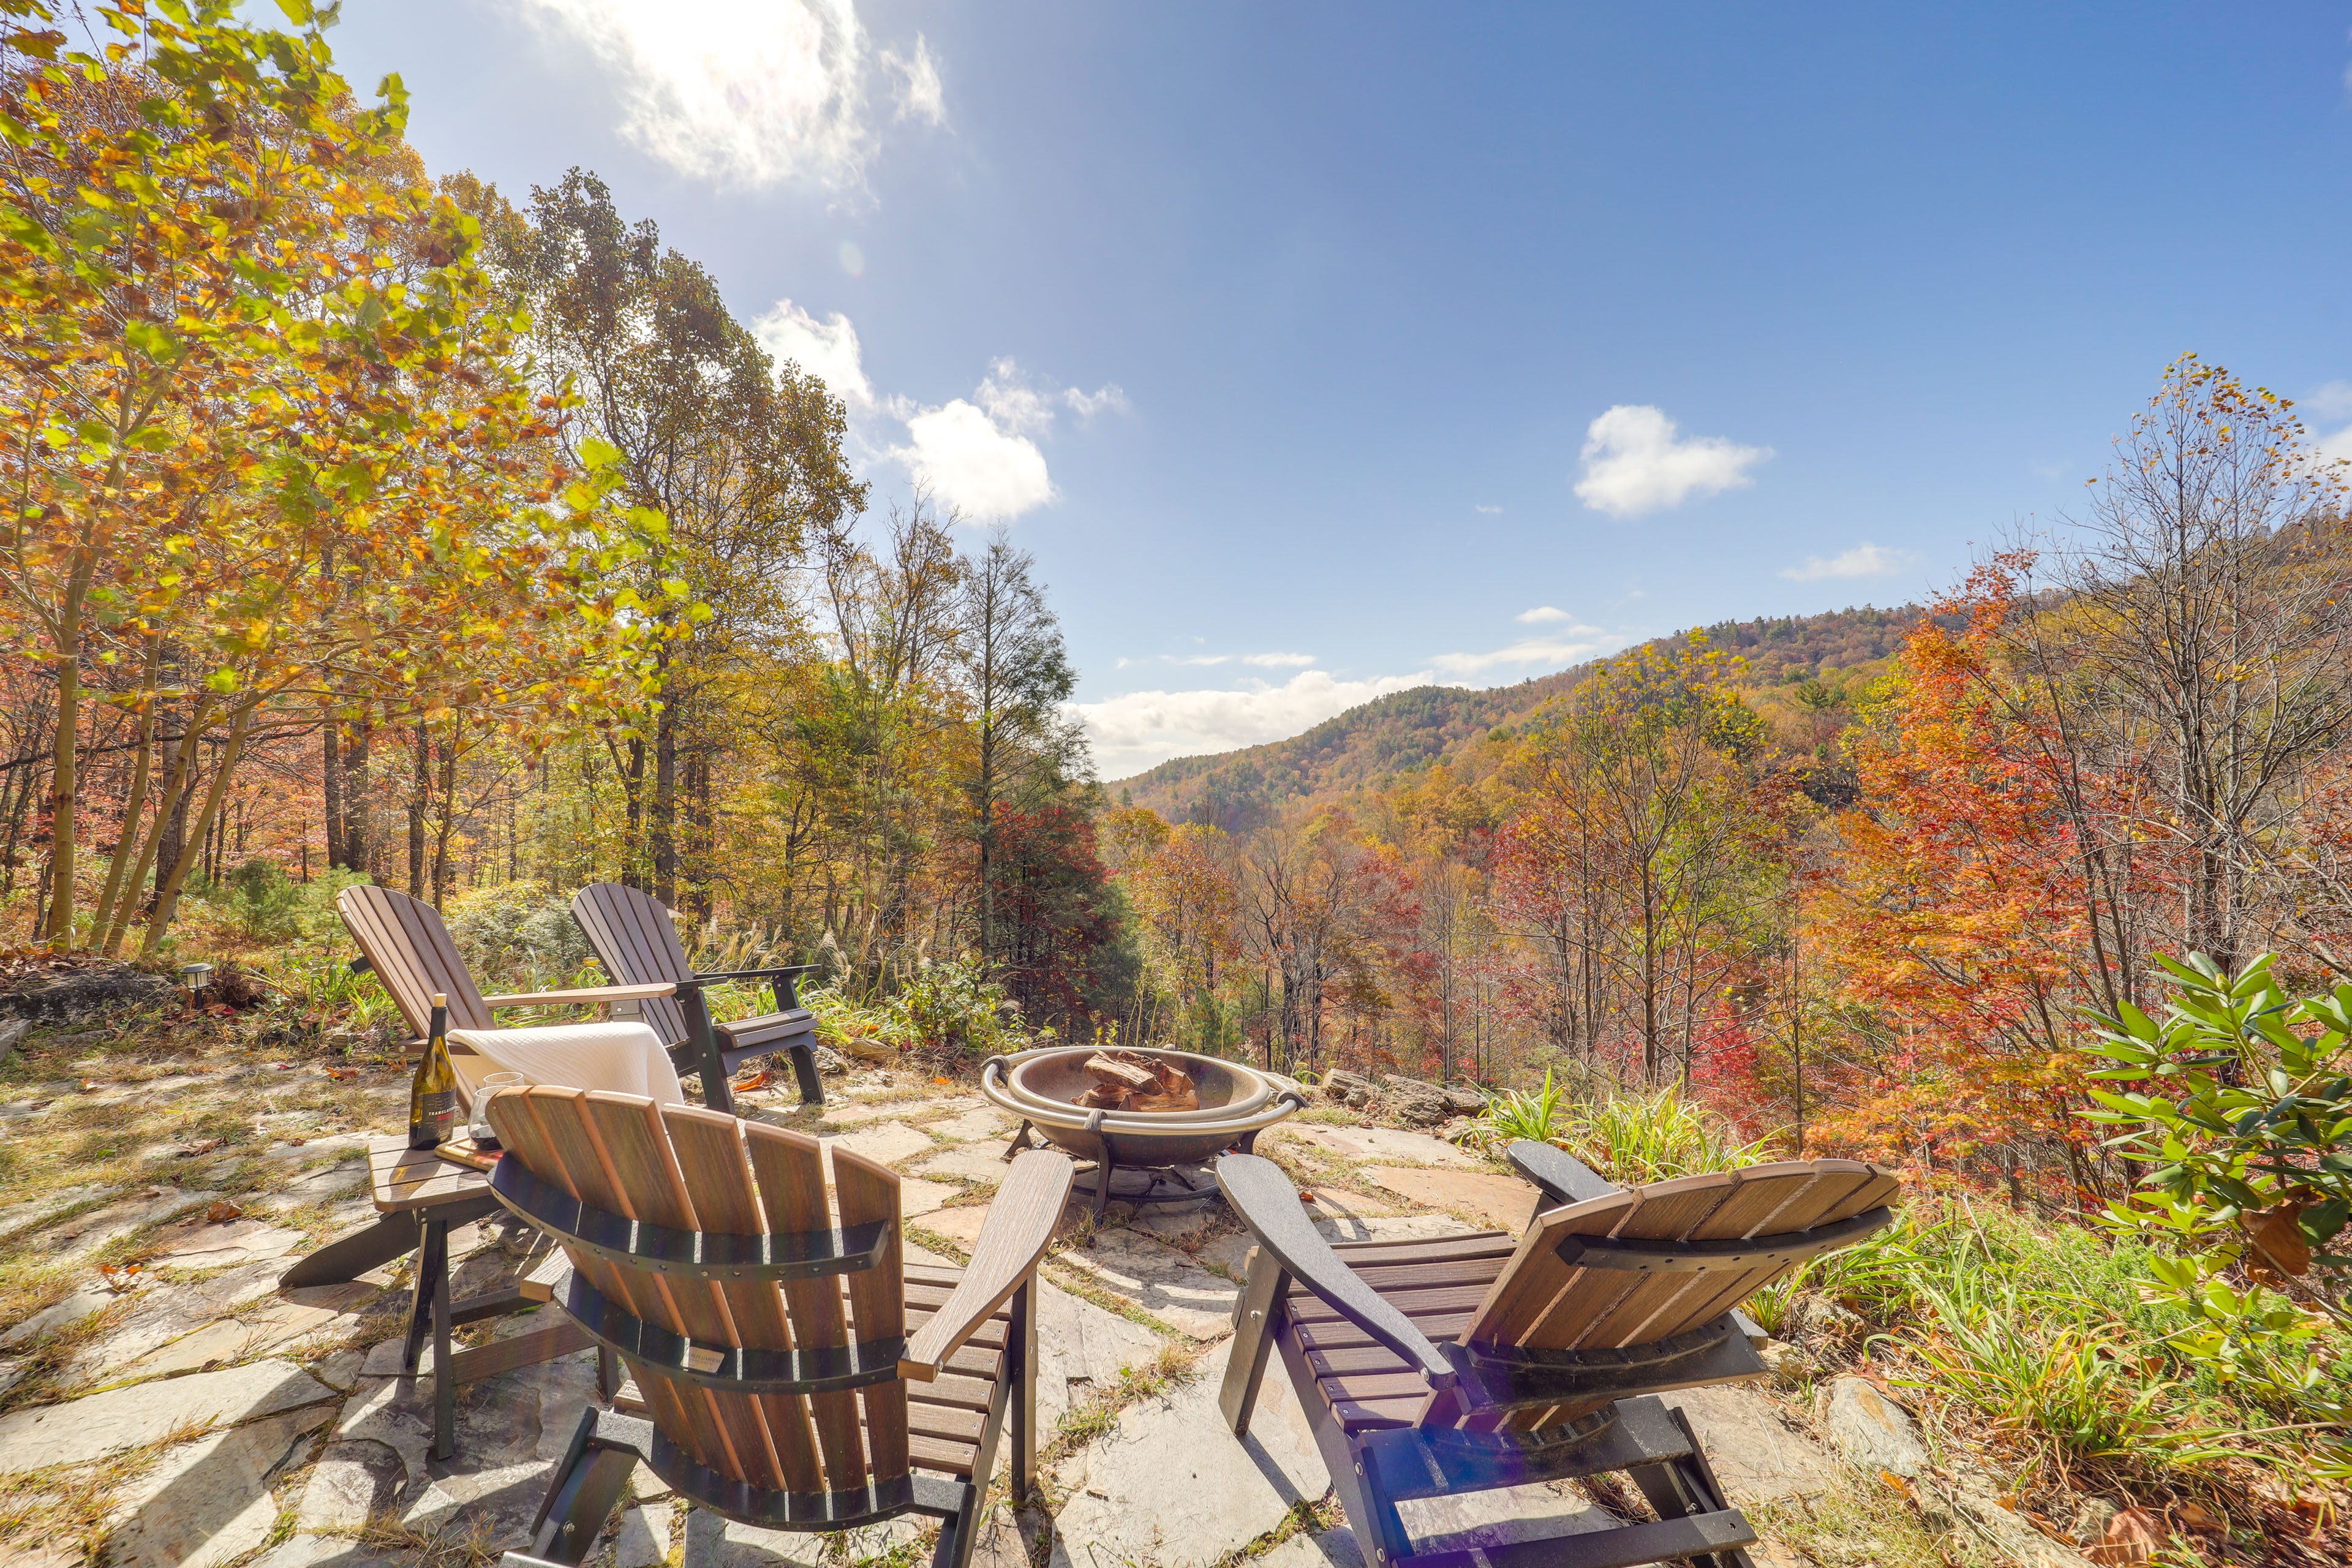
(1094, 1417)
(69, 1504)
(1862, 1524)
(1305, 1518)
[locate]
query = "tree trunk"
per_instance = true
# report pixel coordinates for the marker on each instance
(57, 929)
(135, 804)
(664, 814)
(420, 785)
(167, 898)
(356, 847)
(331, 785)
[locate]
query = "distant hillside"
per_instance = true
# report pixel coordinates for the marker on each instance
(1365, 746)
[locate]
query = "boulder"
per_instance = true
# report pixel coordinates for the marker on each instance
(830, 1063)
(67, 995)
(1872, 1431)
(1344, 1087)
(1418, 1104)
(1464, 1101)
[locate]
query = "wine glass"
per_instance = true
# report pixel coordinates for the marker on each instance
(485, 1135)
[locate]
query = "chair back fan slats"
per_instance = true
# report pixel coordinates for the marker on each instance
(411, 953)
(697, 1170)
(1540, 1302)
(637, 943)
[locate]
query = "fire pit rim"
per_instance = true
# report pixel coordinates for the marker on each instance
(1264, 1088)
(1286, 1095)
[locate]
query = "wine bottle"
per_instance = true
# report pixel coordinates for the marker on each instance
(433, 1093)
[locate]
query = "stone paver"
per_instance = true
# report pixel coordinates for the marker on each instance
(1506, 1202)
(980, 1162)
(916, 1196)
(207, 1245)
(1081, 1351)
(25, 1216)
(959, 1224)
(715, 1541)
(208, 1500)
(1157, 1279)
(162, 1314)
(60, 1314)
(1503, 1517)
(985, 1122)
(1171, 1485)
(1399, 1227)
(257, 1329)
(887, 1143)
(1874, 1432)
(1332, 1549)
(1756, 1453)
(1384, 1144)
(88, 1232)
(83, 1429)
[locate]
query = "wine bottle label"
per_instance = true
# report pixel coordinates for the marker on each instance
(437, 1117)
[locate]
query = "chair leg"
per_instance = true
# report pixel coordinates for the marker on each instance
(960, 1533)
(1257, 1314)
(603, 1455)
(1021, 1367)
(805, 1070)
(717, 1094)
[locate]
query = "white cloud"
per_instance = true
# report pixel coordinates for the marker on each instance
(1086, 405)
(1491, 510)
(2333, 401)
(971, 463)
(1864, 560)
(919, 95)
(827, 349)
(1539, 614)
(1200, 659)
(1634, 462)
(1567, 646)
(739, 92)
(1130, 733)
(1280, 661)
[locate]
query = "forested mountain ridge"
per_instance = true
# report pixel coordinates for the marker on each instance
(1368, 745)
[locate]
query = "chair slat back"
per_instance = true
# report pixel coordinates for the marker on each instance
(692, 1169)
(1540, 1302)
(411, 951)
(637, 942)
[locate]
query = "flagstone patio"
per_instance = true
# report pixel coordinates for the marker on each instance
(194, 1412)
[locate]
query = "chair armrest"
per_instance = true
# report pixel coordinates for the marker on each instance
(586, 994)
(1564, 1178)
(1019, 1224)
(1266, 1202)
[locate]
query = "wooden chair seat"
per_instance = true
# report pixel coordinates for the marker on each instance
(1438, 1284)
(1474, 1363)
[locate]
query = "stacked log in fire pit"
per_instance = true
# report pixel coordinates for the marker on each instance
(1132, 1081)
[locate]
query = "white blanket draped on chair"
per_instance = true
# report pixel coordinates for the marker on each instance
(624, 1058)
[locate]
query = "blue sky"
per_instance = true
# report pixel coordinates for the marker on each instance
(1318, 352)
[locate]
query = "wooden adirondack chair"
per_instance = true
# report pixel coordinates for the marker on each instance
(406, 943)
(1439, 1367)
(770, 1339)
(638, 942)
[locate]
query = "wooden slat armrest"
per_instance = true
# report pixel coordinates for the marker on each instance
(1564, 1178)
(1012, 1239)
(1266, 1202)
(585, 994)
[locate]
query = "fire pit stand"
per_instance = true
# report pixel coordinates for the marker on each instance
(1237, 1102)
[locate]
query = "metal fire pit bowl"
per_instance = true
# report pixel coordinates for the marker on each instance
(1237, 1102)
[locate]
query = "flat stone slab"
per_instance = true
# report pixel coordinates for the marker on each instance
(26, 1216)
(80, 1430)
(985, 1122)
(1386, 1144)
(1757, 1453)
(885, 1143)
(86, 1234)
(208, 1500)
(207, 1245)
(1506, 1202)
(959, 1224)
(58, 1314)
(916, 1196)
(162, 1314)
(980, 1162)
(1081, 1351)
(1157, 1279)
(715, 1542)
(1397, 1228)
(257, 1330)
(1171, 1484)
(1332, 1549)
